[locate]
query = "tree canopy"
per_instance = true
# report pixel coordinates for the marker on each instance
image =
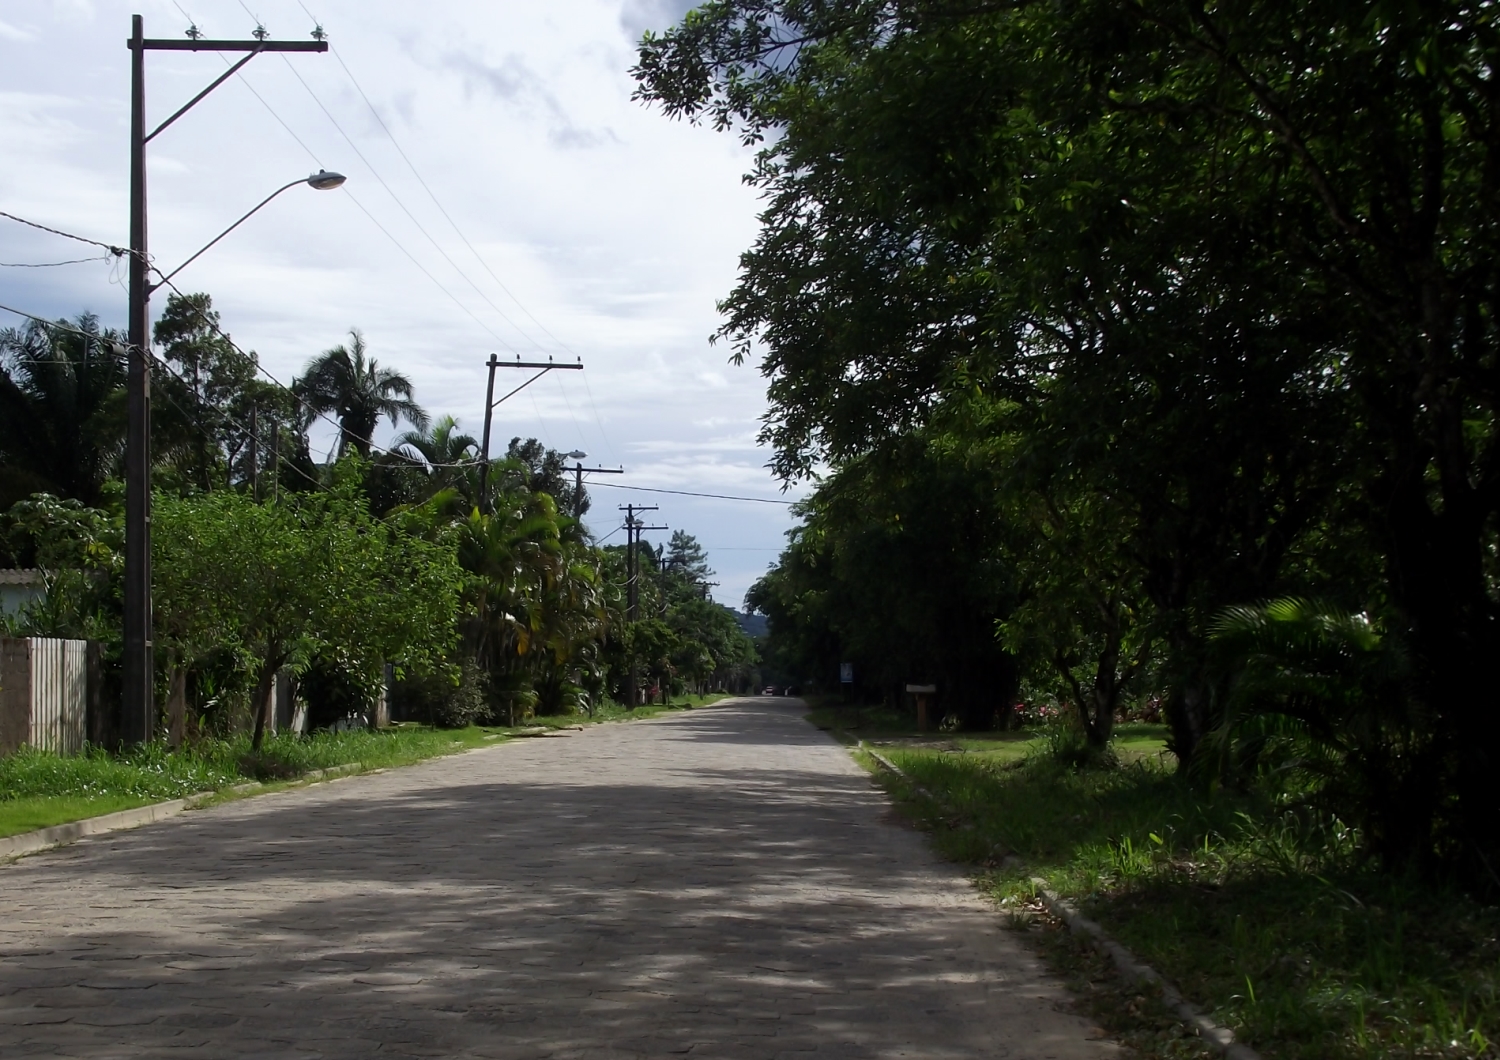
(1225, 278)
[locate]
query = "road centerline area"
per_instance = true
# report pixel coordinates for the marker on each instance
(719, 883)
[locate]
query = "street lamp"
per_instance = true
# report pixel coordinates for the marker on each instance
(322, 180)
(578, 470)
(138, 701)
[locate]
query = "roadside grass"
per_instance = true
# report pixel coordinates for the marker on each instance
(1259, 907)
(38, 789)
(30, 812)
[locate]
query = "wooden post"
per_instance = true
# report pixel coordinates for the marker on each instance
(922, 692)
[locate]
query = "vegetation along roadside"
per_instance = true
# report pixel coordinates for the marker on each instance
(1260, 909)
(39, 789)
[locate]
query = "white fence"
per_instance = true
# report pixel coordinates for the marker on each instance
(43, 694)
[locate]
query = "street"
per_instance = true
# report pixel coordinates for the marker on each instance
(724, 882)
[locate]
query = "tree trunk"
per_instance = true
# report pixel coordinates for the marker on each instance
(264, 683)
(176, 707)
(1438, 581)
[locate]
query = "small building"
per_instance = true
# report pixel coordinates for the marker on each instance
(20, 587)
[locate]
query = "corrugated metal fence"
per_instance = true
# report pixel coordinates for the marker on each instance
(43, 694)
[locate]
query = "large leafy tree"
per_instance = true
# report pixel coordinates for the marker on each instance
(314, 573)
(1239, 259)
(358, 392)
(900, 571)
(208, 385)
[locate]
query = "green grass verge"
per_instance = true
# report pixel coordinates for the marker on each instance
(1259, 908)
(31, 812)
(38, 790)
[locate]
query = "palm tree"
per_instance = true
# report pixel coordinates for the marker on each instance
(356, 390)
(62, 409)
(449, 457)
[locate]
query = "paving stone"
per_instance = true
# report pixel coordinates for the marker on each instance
(720, 883)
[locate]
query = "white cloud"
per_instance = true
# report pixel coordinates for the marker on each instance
(614, 227)
(15, 33)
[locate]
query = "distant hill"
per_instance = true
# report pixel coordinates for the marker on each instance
(753, 625)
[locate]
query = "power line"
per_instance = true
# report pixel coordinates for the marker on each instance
(404, 209)
(51, 264)
(463, 237)
(364, 210)
(226, 420)
(689, 493)
(117, 251)
(295, 396)
(446, 215)
(52, 323)
(604, 435)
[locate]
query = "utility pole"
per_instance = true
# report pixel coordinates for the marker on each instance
(138, 705)
(489, 408)
(275, 460)
(633, 529)
(254, 454)
(578, 473)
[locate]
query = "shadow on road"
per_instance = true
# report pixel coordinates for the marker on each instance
(710, 884)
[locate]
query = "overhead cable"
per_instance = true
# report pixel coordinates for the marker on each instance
(117, 251)
(404, 209)
(690, 493)
(52, 264)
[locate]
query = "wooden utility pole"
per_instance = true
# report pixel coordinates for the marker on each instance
(138, 721)
(254, 453)
(633, 530)
(489, 408)
(275, 460)
(578, 472)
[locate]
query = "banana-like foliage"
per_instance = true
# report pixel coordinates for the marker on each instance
(1315, 691)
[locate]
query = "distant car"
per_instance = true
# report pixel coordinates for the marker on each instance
(769, 690)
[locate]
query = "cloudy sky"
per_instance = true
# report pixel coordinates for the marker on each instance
(505, 195)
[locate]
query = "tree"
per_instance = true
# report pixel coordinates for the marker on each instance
(358, 393)
(899, 569)
(447, 456)
(62, 409)
(533, 466)
(282, 581)
(1239, 260)
(686, 561)
(207, 389)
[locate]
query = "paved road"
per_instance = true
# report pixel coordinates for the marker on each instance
(724, 883)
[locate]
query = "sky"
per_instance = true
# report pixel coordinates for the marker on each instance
(505, 195)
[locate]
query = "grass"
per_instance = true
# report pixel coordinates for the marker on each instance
(1259, 907)
(38, 789)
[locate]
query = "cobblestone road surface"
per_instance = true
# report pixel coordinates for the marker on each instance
(720, 883)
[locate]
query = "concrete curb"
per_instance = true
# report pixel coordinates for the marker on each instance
(1134, 970)
(18, 846)
(1219, 1038)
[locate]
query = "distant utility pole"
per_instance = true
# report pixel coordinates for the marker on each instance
(275, 460)
(633, 529)
(489, 409)
(254, 454)
(138, 698)
(578, 472)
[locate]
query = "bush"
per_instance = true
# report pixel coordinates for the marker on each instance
(439, 700)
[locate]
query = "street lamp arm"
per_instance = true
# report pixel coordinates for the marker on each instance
(328, 180)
